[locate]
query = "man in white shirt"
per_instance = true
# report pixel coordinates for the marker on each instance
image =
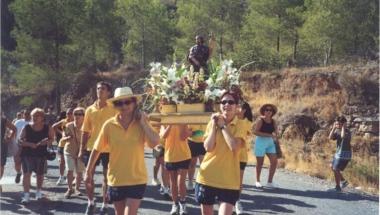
(20, 124)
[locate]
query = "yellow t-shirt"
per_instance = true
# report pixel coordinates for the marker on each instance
(126, 147)
(176, 150)
(244, 150)
(221, 167)
(157, 129)
(64, 122)
(198, 133)
(94, 119)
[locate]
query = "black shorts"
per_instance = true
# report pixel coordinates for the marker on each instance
(197, 149)
(60, 150)
(174, 166)
(123, 192)
(33, 164)
(4, 152)
(207, 195)
(103, 157)
(339, 164)
(243, 165)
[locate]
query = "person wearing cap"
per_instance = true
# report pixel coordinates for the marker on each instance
(34, 140)
(218, 177)
(95, 116)
(71, 136)
(124, 134)
(59, 128)
(245, 116)
(266, 138)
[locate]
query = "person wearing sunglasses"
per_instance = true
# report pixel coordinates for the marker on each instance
(177, 159)
(95, 116)
(59, 127)
(124, 136)
(34, 140)
(266, 138)
(71, 136)
(218, 177)
(246, 118)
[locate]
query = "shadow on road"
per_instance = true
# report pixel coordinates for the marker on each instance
(347, 196)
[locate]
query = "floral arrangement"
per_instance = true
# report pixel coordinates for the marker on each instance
(178, 85)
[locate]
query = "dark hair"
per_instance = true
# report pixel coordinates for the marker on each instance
(233, 94)
(201, 38)
(106, 84)
(248, 111)
(341, 119)
(61, 116)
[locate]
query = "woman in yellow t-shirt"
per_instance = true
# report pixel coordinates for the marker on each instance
(219, 174)
(59, 127)
(177, 160)
(124, 134)
(246, 118)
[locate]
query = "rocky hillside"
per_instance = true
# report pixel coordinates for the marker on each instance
(309, 100)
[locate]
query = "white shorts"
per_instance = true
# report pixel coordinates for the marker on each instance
(73, 164)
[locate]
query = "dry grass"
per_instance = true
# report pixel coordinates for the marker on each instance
(362, 171)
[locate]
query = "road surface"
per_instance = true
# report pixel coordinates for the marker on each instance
(299, 194)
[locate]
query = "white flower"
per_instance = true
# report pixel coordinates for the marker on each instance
(156, 69)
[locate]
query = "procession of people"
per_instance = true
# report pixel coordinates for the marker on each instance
(115, 133)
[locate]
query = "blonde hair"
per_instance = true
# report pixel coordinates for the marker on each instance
(38, 111)
(79, 109)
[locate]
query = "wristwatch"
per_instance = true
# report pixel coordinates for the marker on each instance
(223, 127)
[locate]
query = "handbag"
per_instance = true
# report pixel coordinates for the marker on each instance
(278, 149)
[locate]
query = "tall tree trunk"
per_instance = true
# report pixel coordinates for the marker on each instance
(328, 53)
(295, 47)
(57, 69)
(143, 45)
(221, 47)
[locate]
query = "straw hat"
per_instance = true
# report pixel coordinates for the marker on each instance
(124, 93)
(262, 109)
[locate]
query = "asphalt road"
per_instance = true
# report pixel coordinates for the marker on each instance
(299, 194)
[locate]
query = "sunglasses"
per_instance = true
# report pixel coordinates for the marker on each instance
(78, 114)
(120, 103)
(230, 102)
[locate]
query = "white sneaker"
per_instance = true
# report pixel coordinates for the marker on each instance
(271, 185)
(166, 193)
(258, 184)
(174, 210)
(238, 208)
(155, 182)
(61, 180)
(39, 195)
(182, 209)
(25, 199)
(190, 186)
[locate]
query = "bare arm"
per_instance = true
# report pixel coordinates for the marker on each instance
(210, 140)
(83, 143)
(91, 166)
(13, 128)
(332, 132)
(185, 132)
(232, 142)
(153, 138)
(22, 142)
(56, 127)
(165, 132)
(257, 131)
